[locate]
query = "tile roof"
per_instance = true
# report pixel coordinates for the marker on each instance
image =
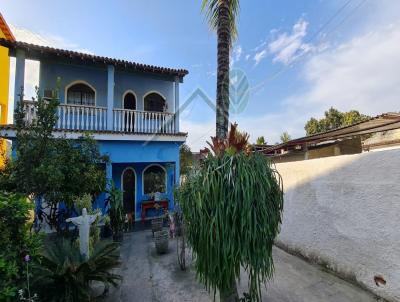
(382, 122)
(5, 29)
(36, 52)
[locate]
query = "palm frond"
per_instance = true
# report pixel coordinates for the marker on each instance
(210, 8)
(64, 275)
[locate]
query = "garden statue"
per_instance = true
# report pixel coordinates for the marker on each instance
(83, 223)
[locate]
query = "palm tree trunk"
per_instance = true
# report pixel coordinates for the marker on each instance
(231, 295)
(224, 42)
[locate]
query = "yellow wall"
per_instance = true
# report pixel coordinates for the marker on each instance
(4, 80)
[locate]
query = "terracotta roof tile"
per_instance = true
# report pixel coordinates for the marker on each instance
(5, 29)
(36, 51)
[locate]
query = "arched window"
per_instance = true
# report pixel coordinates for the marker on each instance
(81, 94)
(154, 102)
(154, 179)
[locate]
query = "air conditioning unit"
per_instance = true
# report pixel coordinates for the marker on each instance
(50, 94)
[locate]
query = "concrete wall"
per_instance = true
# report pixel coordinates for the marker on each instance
(344, 212)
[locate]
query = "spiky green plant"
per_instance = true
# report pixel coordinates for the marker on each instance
(63, 274)
(233, 206)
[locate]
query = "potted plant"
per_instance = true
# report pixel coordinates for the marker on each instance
(116, 212)
(161, 241)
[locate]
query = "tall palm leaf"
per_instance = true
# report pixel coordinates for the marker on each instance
(221, 15)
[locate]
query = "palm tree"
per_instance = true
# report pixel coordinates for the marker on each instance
(221, 15)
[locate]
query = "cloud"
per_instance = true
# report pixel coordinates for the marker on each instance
(198, 133)
(284, 47)
(359, 74)
(287, 47)
(259, 56)
(236, 54)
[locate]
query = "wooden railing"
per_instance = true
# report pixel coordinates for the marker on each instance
(143, 121)
(79, 117)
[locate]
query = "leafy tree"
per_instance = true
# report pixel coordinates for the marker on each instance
(15, 243)
(260, 140)
(231, 201)
(186, 159)
(49, 168)
(333, 119)
(285, 137)
(221, 15)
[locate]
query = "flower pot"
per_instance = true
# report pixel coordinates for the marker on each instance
(157, 224)
(161, 240)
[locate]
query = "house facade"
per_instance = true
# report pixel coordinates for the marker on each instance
(130, 109)
(5, 33)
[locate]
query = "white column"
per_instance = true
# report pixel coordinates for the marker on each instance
(176, 104)
(19, 75)
(110, 96)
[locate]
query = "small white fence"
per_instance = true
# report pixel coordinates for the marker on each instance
(79, 117)
(143, 121)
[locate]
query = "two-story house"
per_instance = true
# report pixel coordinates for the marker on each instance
(130, 109)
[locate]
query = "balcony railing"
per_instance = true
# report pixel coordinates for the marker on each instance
(77, 117)
(143, 121)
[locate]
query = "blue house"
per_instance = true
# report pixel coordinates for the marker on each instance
(130, 109)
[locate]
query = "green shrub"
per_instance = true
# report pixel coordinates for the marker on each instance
(15, 242)
(63, 274)
(232, 206)
(116, 211)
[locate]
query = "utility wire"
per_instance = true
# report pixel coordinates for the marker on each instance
(302, 56)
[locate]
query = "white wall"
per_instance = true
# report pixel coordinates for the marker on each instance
(344, 212)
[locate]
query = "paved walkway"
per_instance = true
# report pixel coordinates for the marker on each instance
(150, 277)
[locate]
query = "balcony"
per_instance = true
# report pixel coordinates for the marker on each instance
(78, 117)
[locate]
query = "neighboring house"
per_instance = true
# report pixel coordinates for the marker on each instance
(382, 141)
(130, 109)
(350, 139)
(5, 33)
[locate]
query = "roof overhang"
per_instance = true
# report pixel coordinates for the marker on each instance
(9, 132)
(37, 52)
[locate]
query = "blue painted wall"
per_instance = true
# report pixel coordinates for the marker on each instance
(96, 77)
(139, 83)
(140, 151)
(139, 155)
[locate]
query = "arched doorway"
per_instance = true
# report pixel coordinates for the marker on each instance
(129, 103)
(129, 192)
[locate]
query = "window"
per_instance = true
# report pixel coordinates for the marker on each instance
(154, 180)
(154, 102)
(81, 94)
